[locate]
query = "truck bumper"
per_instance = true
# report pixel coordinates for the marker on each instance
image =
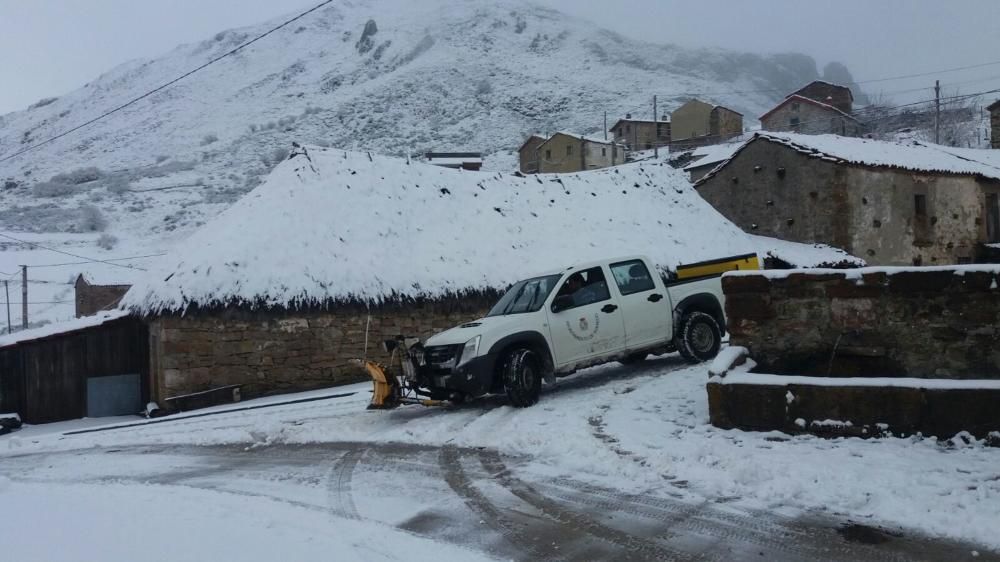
(472, 379)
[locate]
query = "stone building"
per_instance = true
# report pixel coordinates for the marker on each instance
(837, 96)
(885, 202)
(92, 298)
(994, 110)
(567, 152)
(697, 123)
(528, 154)
(471, 161)
(800, 114)
(642, 134)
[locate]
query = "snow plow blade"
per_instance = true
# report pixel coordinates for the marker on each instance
(717, 267)
(387, 394)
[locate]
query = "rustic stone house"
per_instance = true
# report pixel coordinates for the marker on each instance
(697, 123)
(642, 134)
(567, 152)
(994, 109)
(836, 96)
(92, 298)
(799, 114)
(528, 154)
(888, 203)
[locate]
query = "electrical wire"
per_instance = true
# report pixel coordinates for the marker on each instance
(166, 84)
(100, 261)
(89, 260)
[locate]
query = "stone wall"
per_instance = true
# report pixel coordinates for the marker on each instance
(771, 189)
(91, 299)
(276, 351)
(926, 323)
(995, 126)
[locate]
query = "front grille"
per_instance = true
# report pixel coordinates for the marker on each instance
(442, 355)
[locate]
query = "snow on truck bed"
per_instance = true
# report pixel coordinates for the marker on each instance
(335, 225)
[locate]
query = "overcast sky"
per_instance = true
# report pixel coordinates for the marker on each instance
(48, 47)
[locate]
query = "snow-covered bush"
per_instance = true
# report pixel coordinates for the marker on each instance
(107, 241)
(92, 219)
(209, 139)
(42, 103)
(118, 184)
(79, 175)
(52, 189)
(253, 127)
(484, 87)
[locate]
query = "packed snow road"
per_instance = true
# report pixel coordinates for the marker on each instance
(613, 463)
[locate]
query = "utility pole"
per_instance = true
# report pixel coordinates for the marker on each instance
(6, 290)
(605, 125)
(24, 297)
(937, 112)
(656, 131)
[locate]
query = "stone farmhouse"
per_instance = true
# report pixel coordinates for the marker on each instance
(698, 123)
(994, 109)
(817, 108)
(642, 134)
(528, 154)
(567, 152)
(889, 203)
(92, 298)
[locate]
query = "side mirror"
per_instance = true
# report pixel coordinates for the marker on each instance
(562, 302)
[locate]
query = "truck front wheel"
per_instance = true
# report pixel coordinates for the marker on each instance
(699, 338)
(522, 377)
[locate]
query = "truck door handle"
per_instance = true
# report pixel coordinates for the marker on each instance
(655, 297)
(609, 308)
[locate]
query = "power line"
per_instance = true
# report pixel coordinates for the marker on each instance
(167, 84)
(101, 261)
(89, 260)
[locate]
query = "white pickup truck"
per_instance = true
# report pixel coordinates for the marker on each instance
(553, 324)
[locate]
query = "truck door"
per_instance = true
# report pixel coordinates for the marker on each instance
(585, 320)
(645, 306)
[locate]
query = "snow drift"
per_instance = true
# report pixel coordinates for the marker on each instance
(334, 225)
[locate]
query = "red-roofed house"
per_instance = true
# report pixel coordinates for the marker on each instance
(799, 114)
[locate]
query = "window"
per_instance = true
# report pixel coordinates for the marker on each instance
(627, 128)
(604, 152)
(548, 154)
(920, 205)
(795, 106)
(582, 288)
(993, 217)
(525, 296)
(569, 150)
(632, 277)
(794, 123)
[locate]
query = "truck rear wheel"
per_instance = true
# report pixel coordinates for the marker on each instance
(700, 337)
(522, 377)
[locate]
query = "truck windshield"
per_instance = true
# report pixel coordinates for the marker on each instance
(525, 296)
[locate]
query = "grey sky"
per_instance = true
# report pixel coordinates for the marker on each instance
(52, 46)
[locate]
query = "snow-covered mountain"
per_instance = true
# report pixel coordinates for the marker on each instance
(390, 76)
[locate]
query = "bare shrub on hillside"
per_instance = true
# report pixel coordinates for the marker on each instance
(92, 219)
(107, 241)
(209, 139)
(52, 189)
(79, 175)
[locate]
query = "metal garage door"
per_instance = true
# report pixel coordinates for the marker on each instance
(117, 395)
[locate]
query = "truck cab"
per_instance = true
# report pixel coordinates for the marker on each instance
(553, 324)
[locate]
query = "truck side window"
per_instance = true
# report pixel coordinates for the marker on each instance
(583, 288)
(632, 277)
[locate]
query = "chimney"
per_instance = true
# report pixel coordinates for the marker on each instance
(665, 117)
(628, 115)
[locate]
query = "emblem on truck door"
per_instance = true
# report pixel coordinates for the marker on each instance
(585, 332)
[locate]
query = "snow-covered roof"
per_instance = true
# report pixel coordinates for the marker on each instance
(712, 154)
(588, 138)
(994, 105)
(630, 120)
(918, 157)
(849, 92)
(800, 98)
(329, 225)
(454, 161)
(62, 327)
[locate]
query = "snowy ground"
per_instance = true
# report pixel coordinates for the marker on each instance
(614, 458)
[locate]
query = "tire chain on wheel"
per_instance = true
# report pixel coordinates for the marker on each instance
(513, 382)
(682, 344)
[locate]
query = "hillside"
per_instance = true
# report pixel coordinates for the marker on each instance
(390, 76)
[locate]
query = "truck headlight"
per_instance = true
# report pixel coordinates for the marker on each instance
(469, 351)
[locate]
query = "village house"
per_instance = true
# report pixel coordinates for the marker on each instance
(471, 161)
(92, 298)
(697, 123)
(888, 203)
(528, 154)
(642, 134)
(994, 109)
(836, 96)
(568, 152)
(817, 108)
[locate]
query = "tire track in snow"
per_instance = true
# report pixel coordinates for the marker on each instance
(341, 497)
(642, 548)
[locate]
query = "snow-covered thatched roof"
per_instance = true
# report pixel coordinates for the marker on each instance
(918, 157)
(329, 225)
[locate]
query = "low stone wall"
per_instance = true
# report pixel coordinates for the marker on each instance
(276, 351)
(928, 323)
(859, 411)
